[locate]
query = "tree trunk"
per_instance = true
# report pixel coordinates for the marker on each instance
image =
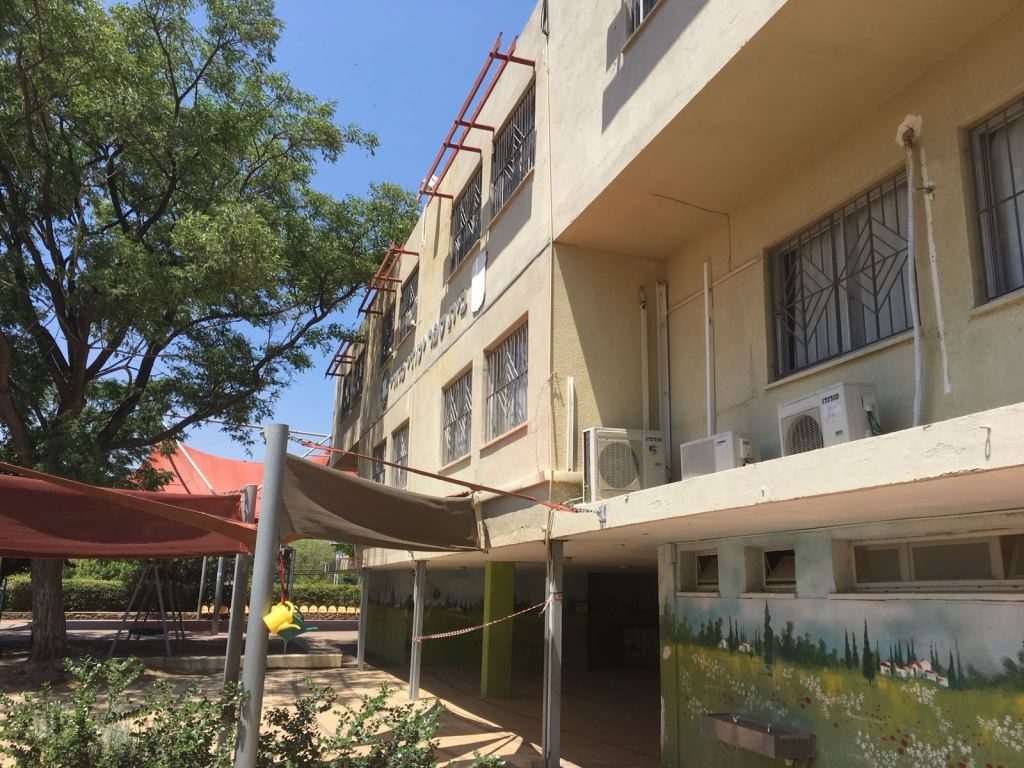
(49, 630)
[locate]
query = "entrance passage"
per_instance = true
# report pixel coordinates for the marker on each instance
(622, 621)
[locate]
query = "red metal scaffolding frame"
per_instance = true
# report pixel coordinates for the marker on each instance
(342, 356)
(451, 146)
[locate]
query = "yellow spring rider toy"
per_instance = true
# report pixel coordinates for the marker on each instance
(286, 621)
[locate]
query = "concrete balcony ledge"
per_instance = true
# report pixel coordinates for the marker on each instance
(969, 464)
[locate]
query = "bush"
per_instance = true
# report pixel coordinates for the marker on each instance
(313, 593)
(79, 594)
(100, 723)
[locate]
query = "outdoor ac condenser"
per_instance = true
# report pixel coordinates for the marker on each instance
(726, 450)
(619, 461)
(831, 416)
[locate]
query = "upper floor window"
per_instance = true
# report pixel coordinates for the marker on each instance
(997, 147)
(514, 148)
(358, 374)
(407, 305)
(465, 222)
(387, 332)
(400, 455)
(377, 467)
(458, 416)
(840, 284)
(346, 394)
(637, 11)
(506, 383)
(385, 387)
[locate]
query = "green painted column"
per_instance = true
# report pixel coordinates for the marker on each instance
(496, 658)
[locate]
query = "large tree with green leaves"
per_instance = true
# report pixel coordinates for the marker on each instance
(164, 257)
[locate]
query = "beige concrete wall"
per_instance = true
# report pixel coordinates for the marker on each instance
(952, 96)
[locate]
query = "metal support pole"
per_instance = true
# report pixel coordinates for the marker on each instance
(416, 656)
(552, 723)
(218, 596)
(364, 599)
(236, 619)
(255, 665)
(202, 588)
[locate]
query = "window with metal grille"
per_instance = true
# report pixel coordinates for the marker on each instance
(997, 146)
(513, 151)
(377, 469)
(407, 305)
(458, 418)
(465, 222)
(637, 11)
(387, 332)
(400, 455)
(358, 373)
(840, 284)
(506, 383)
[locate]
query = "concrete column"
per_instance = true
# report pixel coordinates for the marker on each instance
(496, 659)
(416, 655)
(551, 735)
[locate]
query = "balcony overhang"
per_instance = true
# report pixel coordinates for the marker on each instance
(809, 76)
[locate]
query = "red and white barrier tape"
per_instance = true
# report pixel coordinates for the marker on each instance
(467, 630)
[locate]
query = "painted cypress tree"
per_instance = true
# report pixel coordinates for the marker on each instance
(868, 664)
(913, 653)
(847, 656)
(856, 656)
(959, 668)
(951, 672)
(899, 654)
(769, 637)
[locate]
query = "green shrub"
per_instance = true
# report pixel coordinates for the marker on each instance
(79, 594)
(313, 593)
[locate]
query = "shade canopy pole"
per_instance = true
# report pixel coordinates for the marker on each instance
(218, 596)
(552, 715)
(202, 588)
(236, 619)
(364, 600)
(264, 560)
(416, 657)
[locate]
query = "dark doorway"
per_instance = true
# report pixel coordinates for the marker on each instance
(622, 621)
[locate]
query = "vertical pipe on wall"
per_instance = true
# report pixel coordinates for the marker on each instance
(416, 655)
(664, 383)
(709, 350)
(929, 193)
(645, 393)
(236, 618)
(256, 636)
(570, 423)
(551, 724)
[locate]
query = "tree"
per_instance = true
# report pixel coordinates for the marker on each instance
(847, 657)
(164, 258)
(856, 656)
(769, 638)
(869, 664)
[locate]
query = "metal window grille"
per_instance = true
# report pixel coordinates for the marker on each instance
(840, 284)
(376, 468)
(465, 221)
(387, 333)
(506, 383)
(638, 10)
(400, 455)
(346, 394)
(407, 305)
(385, 388)
(514, 148)
(458, 418)
(358, 374)
(997, 146)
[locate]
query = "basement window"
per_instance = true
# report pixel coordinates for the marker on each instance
(697, 571)
(950, 563)
(707, 571)
(779, 570)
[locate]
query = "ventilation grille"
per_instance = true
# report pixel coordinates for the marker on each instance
(698, 458)
(617, 465)
(803, 432)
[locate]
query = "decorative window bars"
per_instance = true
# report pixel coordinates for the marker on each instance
(514, 149)
(465, 222)
(840, 284)
(458, 418)
(387, 333)
(407, 305)
(997, 147)
(377, 469)
(506, 383)
(400, 455)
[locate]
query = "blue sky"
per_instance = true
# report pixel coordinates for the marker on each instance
(400, 68)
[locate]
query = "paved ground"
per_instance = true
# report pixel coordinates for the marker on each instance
(608, 719)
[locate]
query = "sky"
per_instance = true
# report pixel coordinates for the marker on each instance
(400, 68)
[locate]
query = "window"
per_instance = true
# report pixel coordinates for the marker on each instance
(385, 388)
(707, 571)
(387, 332)
(465, 222)
(400, 455)
(997, 148)
(951, 563)
(407, 305)
(506, 383)
(637, 11)
(358, 373)
(458, 418)
(780, 570)
(346, 394)
(513, 151)
(376, 467)
(696, 571)
(840, 284)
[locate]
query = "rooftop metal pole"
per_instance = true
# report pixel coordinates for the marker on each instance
(233, 654)
(255, 665)
(416, 657)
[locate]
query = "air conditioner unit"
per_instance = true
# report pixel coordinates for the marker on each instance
(831, 416)
(726, 450)
(619, 461)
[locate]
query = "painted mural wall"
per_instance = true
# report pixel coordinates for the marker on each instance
(887, 683)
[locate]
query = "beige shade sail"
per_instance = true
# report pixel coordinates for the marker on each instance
(323, 503)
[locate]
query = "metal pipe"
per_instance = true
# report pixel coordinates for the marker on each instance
(364, 600)
(255, 665)
(202, 588)
(709, 350)
(218, 596)
(570, 423)
(551, 737)
(929, 193)
(233, 653)
(664, 382)
(645, 385)
(416, 655)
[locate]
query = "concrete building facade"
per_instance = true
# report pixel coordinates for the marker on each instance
(733, 167)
